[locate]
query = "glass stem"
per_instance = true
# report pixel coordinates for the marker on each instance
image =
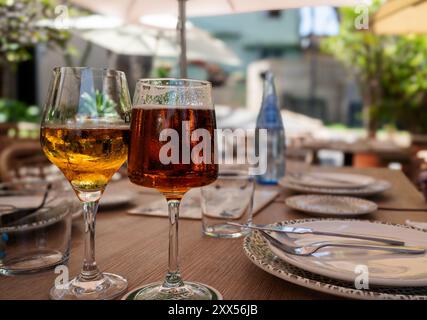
(173, 277)
(90, 270)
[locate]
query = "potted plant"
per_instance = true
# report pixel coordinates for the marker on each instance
(20, 31)
(391, 72)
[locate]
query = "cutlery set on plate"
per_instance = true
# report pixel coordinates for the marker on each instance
(389, 244)
(329, 254)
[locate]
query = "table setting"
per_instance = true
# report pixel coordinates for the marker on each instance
(241, 231)
(330, 269)
(308, 252)
(333, 271)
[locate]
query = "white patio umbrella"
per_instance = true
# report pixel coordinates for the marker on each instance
(132, 10)
(401, 17)
(140, 40)
(156, 36)
(130, 40)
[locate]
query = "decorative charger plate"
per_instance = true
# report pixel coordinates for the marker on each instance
(378, 186)
(327, 205)
(258, 251)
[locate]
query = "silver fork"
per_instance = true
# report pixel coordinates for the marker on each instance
(313, 247)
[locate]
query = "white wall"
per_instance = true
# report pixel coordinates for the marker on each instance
(292, 75)
(253, 29)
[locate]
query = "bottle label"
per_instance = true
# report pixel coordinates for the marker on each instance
(270, 115)
(270, 110)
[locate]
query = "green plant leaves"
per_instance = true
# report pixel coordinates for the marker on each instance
(15, 111)
(19, 30)
(391, 71)
(97, 104)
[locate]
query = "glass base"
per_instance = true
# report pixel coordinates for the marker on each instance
(32, 262)
(190, 291)
(108, 287)
(223, 230)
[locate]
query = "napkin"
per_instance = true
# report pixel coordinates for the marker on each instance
(190, 205)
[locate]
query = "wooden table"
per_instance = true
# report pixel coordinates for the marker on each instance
(136, 247)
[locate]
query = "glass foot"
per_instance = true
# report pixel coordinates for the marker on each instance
(190, 291)
(108, 287)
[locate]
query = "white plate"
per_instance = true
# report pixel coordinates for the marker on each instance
(327, 205)
(111, 200)
(385, 268)
(331, 180)
(378, 186)
(259, 253)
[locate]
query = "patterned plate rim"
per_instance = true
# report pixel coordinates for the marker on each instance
(378, 187)
(290, 203)
(267, 261)
(341, 186)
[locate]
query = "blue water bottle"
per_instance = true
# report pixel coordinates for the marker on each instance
(269, 118)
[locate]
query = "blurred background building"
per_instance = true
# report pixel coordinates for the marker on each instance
(285, 41)
(348, 96)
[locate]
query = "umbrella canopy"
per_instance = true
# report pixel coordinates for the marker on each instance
(401, 17)
(139, 40)
(90, 22)
(132, 10)
(130, 40)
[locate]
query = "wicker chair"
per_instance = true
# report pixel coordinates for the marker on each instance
(23, 160)
(6, 128)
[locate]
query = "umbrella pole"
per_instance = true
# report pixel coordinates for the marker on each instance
(182, 39)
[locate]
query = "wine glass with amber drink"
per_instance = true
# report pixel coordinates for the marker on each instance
(85, 133)
(172, 149)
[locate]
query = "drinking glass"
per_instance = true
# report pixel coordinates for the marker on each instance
(219, 204)
(85, 133)
(172, 149)
(39, 239)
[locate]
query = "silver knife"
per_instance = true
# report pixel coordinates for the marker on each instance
(303, 230)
